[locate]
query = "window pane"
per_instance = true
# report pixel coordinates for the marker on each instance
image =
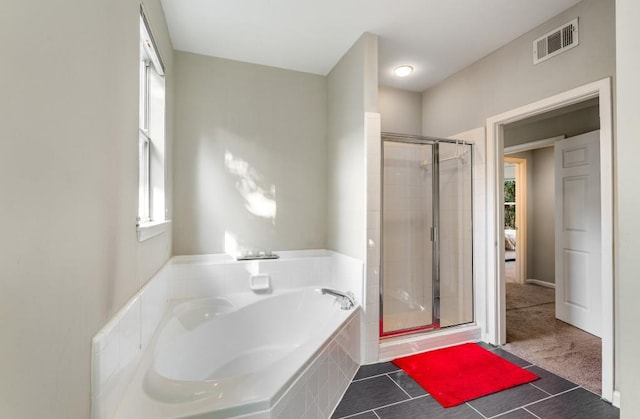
(143, 176)
(151, 159)
(144, 89)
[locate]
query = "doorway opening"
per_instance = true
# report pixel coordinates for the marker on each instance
(544, 324)
(515, 219)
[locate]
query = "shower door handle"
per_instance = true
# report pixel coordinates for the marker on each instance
(431, 234)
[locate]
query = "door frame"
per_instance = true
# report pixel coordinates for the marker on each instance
(495, 332)
(434, 142)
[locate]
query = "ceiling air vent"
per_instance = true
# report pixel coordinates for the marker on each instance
(556, 42)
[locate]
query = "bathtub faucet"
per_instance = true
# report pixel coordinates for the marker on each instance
(347, 300)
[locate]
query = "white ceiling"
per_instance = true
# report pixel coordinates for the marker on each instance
(437, 37)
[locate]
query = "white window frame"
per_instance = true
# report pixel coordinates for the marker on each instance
(151, 137)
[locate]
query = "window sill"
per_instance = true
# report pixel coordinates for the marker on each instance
(152, 229)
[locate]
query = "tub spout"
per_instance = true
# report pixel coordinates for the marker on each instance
(347, 299)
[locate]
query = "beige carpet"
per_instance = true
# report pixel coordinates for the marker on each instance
(534, 334)
(510, 271)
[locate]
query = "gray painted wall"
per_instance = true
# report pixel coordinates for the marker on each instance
(570, 124)
(627, 204)
(507, 78)
(352, 91)
(69, 180)
(251, 160)
(542, 235)
(400, 110)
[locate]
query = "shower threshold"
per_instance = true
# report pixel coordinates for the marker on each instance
(407, 321)
(407, 344)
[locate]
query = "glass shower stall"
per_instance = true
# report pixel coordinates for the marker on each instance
(426, 261)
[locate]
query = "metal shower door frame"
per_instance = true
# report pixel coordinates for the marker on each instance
(435, 229)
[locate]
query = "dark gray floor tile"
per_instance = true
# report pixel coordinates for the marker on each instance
(369, 394)
(426, 407)
(550, 382)
(407, 383)
(516, 414)
(578, 403)
(487, 346)
(365, 415)
(497, 403)
(511, 358)
(375, 369)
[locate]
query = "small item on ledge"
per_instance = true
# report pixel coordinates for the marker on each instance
(260, 255)
(260, 282)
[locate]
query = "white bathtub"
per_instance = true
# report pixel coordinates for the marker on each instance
(247, 354)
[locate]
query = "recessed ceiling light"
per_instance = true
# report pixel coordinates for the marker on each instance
(403, 70)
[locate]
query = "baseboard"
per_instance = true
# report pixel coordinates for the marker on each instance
(541, 283)
(616, 399)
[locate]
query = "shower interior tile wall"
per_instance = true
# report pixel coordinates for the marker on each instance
(407, 248)
(477, 137)
(456, 295)
(407, 215)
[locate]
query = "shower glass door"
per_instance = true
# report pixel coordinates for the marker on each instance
(455, 234)
(426, 264)
(407, 219)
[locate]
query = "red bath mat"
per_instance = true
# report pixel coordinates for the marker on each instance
(461, 373)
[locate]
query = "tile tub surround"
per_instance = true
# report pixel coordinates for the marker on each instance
(301, 385)
(119, 346)
(317, 391)
(382, 390)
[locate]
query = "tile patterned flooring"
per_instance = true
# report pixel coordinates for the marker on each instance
(383, 391)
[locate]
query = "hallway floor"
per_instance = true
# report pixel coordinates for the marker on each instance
(383, 391)
(535, 334)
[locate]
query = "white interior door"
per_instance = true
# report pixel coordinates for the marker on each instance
(577, 232)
